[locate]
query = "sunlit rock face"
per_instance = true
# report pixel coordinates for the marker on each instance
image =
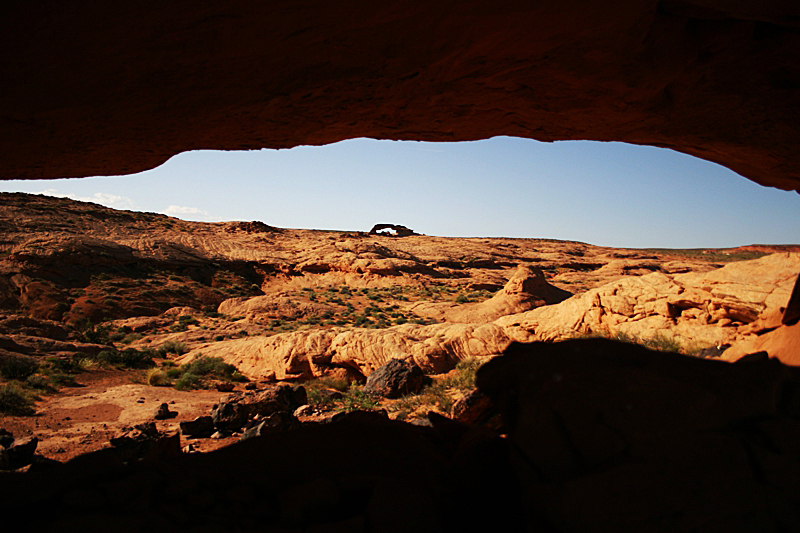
(110, 88)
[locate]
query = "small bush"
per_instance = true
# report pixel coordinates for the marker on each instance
(463, 378)
(62, 380)
(40, 383)
(14, 401)
(188, 320)
(128, 358)
(174, 373)
(130, 337)
(210, 366)
(188, 382)
(64, 365)
(158, 378)
(176, 347)
(89, 332)
(14, 367)
(657, 342)
(462, 299)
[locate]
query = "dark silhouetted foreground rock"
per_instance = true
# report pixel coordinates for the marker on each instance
(614, 437)
(202, 426)
(600, 436)
(241, 407)
(16, 453)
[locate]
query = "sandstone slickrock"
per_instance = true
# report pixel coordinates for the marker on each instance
(304, 354)
(697, 310)
(526, 289)
(702, 308)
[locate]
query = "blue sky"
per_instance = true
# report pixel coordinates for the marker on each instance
(611, 194)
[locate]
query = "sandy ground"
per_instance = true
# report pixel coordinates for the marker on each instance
(82, 419)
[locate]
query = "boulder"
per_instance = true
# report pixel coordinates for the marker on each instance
(163, 412)
(616, 437)
(18, 453)
(239, 408)
(396, 378)
(274, 423)
(202, 426)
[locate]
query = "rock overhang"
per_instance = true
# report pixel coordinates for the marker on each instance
(99, 89)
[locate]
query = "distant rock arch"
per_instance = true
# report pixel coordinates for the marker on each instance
(394, 230)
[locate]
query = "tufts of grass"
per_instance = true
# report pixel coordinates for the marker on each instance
(355, 399)
(194, 375)
(175, 347)
(157, 377)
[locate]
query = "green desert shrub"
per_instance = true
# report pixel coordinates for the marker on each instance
(130, 337)
(176, 347)
(188, 382)
(210, 366)
(127, 358)
(15, 402)
(658, 342)
(174, 373)
(193, 375)
(463, 378)
(59, 379)
(39, 383)
(17, 367)
(93, 333)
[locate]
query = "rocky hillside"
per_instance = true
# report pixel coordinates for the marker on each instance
(287, 303)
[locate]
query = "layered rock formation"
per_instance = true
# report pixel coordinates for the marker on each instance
(105, 89)
(709, 308)
(690, 311)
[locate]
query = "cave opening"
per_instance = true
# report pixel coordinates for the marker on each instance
(603, 193)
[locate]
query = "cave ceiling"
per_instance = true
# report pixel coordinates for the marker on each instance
(105, 88)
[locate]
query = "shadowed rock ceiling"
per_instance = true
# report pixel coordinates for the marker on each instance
(104, 88)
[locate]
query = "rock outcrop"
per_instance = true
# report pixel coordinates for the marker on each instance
(694, 308)
(435, 348)
(395, 230)
(527, 289)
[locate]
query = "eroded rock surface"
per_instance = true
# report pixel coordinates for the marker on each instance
(716, 79)
(706, 308)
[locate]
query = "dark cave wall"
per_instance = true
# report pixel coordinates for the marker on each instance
(98, 88)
